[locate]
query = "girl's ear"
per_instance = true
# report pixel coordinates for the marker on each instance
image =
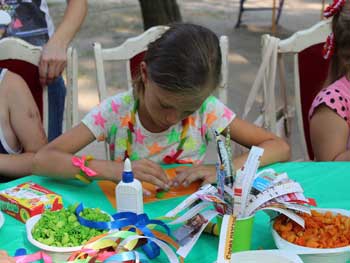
(143, 71)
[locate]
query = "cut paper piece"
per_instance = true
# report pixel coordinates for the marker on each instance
(184, 250)
(108, 188)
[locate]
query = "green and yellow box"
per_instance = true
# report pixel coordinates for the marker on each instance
(27, 200)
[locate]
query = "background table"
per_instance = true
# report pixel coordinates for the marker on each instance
(328, 183)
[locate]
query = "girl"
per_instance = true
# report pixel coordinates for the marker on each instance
(329, 113)
(166, 119)
(21, 131)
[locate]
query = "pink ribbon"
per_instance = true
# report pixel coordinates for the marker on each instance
(80, 163)
(34, 257)
(95, 254)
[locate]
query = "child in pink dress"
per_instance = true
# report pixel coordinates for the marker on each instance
(329, 114)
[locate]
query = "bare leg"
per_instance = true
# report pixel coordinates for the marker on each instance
(21, 125)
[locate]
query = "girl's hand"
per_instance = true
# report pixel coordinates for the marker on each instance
(187, 175)
(4, 258)
(151, 172)
(52, 62)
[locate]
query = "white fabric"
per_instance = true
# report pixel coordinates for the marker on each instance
(50, 25)
(265, 79)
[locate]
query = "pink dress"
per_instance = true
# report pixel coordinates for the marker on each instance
(336, 97)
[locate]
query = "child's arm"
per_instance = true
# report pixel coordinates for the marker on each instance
(4, 258)
(329, 135)
(22, 122)
(246, 134)
(54, 53)
(55, 160)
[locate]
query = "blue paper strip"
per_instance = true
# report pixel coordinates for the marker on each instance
(126, 256)
(124, 219)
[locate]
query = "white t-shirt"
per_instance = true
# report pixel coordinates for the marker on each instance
(109, 122)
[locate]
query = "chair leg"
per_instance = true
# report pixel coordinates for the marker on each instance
(280, 7)
(241, 10)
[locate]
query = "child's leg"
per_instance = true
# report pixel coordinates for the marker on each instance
(19, 116)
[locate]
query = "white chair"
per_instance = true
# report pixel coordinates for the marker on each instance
(129, 52)
(72, 106)
(23, 59)
(310, 71)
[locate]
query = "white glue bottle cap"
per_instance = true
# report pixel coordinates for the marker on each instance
(127, 176)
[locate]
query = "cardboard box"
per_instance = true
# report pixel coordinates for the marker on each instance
(28, 199)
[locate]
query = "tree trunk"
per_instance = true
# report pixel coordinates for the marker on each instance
(159, 12)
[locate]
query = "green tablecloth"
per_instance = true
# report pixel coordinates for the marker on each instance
(328, 183)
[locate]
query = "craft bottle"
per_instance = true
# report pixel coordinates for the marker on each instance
(129, 192)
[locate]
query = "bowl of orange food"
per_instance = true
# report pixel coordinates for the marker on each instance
(325, 238)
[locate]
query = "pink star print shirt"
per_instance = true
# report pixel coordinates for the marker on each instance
(109, 121)
(336, 97)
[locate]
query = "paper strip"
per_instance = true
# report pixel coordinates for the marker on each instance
(167, 250)
(226, 239)
(184, 250)
(257, 201)
(191, 213)
(206, 189)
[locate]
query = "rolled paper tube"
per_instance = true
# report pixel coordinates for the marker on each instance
(212, 228)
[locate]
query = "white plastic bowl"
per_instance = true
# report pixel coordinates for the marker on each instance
(58, 254)
(2, 219)
(270, 256)
(319, 255)
(29, 226)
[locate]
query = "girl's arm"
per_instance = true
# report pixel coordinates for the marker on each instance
(4, 258)
(329, 135)
(23, 122)
(55, 160)
(246, 134)
(54, 53)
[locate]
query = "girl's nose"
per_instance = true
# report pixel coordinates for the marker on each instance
(172, 117)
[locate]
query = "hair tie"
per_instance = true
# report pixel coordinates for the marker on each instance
(328, 48)
(334, 8)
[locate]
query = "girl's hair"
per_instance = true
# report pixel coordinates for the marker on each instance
(340, 62)
(185, 59)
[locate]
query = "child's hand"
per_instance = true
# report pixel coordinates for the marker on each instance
(149, 171)
(187, 175)
(4, 258)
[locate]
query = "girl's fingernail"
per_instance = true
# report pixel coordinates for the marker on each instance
(185, 184)
(146, 193)
(176, 184)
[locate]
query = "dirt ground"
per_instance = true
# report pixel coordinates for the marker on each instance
(110, 22)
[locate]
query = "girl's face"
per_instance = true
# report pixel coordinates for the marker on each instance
(167, 108)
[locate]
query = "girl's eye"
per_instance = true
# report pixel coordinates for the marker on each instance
(188, 113)
(166, 106)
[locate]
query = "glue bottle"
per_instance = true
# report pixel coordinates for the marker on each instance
(129, 192)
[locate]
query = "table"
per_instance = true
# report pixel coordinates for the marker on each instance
(326, 182)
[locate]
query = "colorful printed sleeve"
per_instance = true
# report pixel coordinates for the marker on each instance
(215, 114)
(97, 120)
(334, 98)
